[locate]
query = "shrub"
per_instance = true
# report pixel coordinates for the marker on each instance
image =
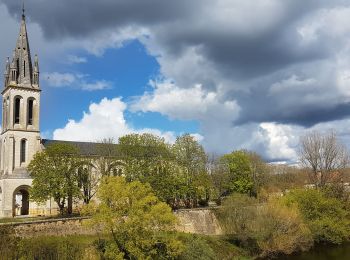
(8, 242)
(326, 217)
(65, 248)
(196, 248)
(265, 229)
(280, 229)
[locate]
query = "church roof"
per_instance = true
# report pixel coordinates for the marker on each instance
(91, 149)
(84, 148)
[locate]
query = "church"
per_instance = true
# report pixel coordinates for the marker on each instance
(20, 134)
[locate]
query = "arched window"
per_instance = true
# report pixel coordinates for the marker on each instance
(30, 111)
(23, 150)
(17, 110)
(24, 68)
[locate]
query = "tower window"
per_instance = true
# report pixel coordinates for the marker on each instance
(23, 150)
(30, 111)
(17, 110)
(24, 68)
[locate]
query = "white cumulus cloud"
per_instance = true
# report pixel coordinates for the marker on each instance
(104, 120)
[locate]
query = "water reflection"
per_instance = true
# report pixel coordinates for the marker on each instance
(323, 252)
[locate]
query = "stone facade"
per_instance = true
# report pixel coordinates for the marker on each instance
(20, 136)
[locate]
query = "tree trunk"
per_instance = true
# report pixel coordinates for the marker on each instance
(70, 204)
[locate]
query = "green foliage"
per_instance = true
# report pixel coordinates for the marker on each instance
(54, 175)
(196, 248)
(266, 229)
(51, 248)
(8, 242)
(190, 154)
(176, 173)
(243, 172)
(44, 247)
(327, 217)
(135, 218)
(143, 147)
(208, 247)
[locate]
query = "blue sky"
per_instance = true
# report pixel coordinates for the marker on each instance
(254, 74)
(128, 69)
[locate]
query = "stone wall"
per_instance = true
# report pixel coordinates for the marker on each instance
(57, 227)
(197, 221)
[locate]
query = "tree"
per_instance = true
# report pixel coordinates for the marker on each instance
(54, 173)
(240, 175)
(190, 154)
(135, 218)
(325, 155)
(141, 152)
(88, 181)
(108, 161)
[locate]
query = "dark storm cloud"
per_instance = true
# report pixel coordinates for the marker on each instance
(260, 43)
(79, 18)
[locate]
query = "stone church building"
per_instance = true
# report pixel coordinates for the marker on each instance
(20, 134)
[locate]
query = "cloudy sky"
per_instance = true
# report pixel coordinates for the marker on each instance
(253, 74)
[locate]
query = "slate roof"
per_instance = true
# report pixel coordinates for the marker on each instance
(85, 148)
(112, 150)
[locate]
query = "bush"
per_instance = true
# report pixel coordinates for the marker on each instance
(8, 242)
(280, 229)
(326, 217)
(196, 248)
(265, 229)
(65, 248)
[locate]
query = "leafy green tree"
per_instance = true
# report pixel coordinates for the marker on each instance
(190, 154)
(88, 181)
(168, 182)
(135, 219)
(142, 153)
(107, 161)
(240, 175)
(54, 173)
(240, 171)
(109, 158)
(327, 218)
(148, 158)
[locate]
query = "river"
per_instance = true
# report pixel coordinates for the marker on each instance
(323, 252)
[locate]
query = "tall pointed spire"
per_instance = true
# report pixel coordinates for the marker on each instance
(23, 10)
(22, 55)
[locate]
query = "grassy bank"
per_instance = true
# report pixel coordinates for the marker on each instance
(91, 247)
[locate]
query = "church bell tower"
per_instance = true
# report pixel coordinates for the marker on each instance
(20, 134)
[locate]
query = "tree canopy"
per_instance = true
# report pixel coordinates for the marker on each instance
(54, 173)
(135, 218)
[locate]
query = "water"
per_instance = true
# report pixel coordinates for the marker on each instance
(323, 252)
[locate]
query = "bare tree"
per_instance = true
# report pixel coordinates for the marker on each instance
(324, 154)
